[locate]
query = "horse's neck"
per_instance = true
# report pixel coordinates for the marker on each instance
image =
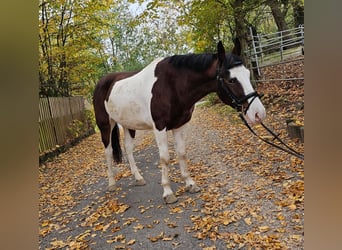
(199, 88)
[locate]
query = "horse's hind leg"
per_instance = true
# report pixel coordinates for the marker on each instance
(106, 135)
(190, 185)
(128, 139)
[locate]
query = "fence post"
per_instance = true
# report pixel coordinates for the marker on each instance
(302, 33)
(281, 45)
(260, 48)
(70, 108)
(53, 121)
(254, 50)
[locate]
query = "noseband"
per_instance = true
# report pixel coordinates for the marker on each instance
(237, 103)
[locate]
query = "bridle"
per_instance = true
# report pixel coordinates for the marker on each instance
(237, 104)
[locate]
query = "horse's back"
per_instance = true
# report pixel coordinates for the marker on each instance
(129, 100)
(101, 93)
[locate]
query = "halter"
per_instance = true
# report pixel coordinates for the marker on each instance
(237, 103)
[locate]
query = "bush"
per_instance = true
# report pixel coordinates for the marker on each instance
(212, 99)
(75, 129)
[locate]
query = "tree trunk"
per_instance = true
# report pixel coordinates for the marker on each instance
(298, 13)
(240, 27)
(242, 32)
(278, 14)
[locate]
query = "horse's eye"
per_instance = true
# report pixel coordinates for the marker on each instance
(233, 80)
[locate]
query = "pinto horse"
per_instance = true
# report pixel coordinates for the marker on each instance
(161, 97)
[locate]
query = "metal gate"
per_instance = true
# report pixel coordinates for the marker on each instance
(276, 49)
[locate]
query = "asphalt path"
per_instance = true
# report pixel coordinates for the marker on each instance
(146, 222)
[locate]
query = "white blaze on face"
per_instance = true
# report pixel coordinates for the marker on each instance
(256, 111)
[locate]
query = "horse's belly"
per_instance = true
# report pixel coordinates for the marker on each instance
(132, 115)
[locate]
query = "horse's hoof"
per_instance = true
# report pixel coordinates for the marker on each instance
(193, 189)
(171, 198)
(141, 182)
(111, 188)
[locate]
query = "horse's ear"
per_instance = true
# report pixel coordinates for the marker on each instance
(221, 52)
(237, 47)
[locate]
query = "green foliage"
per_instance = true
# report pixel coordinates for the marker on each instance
(80, 41)
(71, 53)
(212, 99)
(75, 129)
(90, 118)
(79, 128)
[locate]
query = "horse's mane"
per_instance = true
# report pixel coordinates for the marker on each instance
(201, 62)
(196, 62)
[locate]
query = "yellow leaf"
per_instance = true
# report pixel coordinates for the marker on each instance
(45, 223)
(210, 248)
(131, 242)
(83, 235)
(138, 227)
(167, 238)
(117, 238)
(172, 224)
(116, 207)
(176, 210)
(120, 247)
(280, 230)
(156, 238)
(106, 226)
(299, 123)
(292, 206)
(248, 221)
(116, 229)
(264, 228)
(58, 243)
(98, 227)
(296, 237)
(280, 216)
(267, 137)
(153, 239)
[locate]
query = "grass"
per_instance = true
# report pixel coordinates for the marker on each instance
(275, 56)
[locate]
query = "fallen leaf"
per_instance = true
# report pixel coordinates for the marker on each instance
(264, 228)
(176, 210)
(292, 206)
(131, 242)
(118, 238)
(156, 238)
(248, 221)
(138, 227)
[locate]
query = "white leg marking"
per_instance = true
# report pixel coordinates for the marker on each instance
(161, 139)
(179, 137)
(110, 172)
(129, 145)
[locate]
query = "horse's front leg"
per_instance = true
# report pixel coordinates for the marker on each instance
(161, 139)
(179, 137)
(129, 145)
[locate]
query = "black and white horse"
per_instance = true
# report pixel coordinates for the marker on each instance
(161, 97)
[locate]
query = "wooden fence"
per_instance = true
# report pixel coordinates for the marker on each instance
(61, 120)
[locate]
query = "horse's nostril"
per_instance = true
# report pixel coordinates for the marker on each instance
(257, 117)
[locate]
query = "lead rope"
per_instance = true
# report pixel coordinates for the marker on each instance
(288, 149)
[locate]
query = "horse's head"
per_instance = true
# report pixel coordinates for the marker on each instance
(234, 85)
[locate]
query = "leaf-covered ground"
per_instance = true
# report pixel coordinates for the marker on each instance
(252, 195)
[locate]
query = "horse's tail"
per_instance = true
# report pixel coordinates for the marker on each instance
(117, 153)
